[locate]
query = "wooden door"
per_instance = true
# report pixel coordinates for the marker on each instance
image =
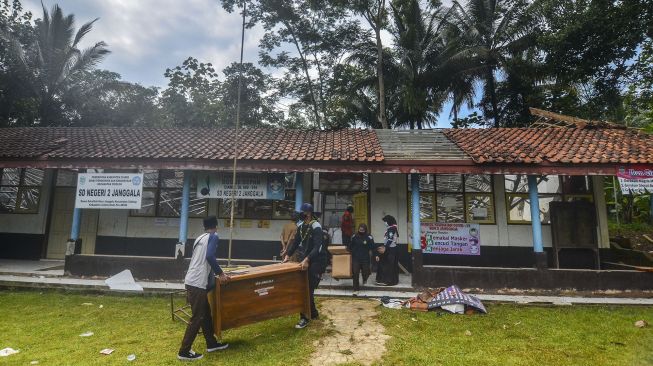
(361, 214)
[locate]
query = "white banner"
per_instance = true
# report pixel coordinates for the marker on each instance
(451, 238)
(109, 190)
(635, 179)
(248, 186)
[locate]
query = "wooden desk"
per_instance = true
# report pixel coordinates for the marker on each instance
(260, 293)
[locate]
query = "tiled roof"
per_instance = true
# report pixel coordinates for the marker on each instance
(348, 145)
(554, 145)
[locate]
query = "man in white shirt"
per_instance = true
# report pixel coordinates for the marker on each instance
(200, 278)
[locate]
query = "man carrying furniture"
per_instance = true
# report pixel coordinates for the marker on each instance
(200, 279)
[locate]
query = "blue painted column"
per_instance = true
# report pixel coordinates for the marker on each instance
(414, 183)
(185, 202)
(77, 221)
(299, 191)
(535, 214)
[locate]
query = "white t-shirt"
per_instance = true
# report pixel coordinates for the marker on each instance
(199, 268)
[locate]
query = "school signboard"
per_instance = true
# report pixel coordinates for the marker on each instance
(109, 190)
(635, 179)
(248, 186)
(451, 238)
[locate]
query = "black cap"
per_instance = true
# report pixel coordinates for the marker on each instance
(210, 222)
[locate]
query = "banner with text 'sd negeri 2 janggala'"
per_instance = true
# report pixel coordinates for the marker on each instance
(109, 190)
(248, 186)
(451, 238)
(635, 179)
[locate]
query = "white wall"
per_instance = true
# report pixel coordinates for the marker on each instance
(388, 196)
(30, 223)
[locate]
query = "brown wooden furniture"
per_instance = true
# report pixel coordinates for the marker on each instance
(260, 293)
(573, 226)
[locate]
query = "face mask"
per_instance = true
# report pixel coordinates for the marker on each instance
(385, 223)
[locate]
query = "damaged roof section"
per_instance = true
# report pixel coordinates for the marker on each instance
(419, 145)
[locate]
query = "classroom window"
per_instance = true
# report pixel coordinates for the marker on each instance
(162, 195)
(262, 209)
(20, 190)
(455, 198)
(550, 188)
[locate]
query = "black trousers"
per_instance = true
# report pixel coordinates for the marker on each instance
(201, 318)
(358, 267)
(315, 271)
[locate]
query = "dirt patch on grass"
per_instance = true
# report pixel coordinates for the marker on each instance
(355, 336)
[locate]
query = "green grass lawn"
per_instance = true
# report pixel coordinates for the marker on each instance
(522, 335)
(46, 327)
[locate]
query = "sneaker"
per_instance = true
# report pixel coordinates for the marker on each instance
(302, 323)
(381, 284)
(189, 356)
(217, 347)
(354, 293)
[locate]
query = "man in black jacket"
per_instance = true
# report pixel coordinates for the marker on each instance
(309, 242)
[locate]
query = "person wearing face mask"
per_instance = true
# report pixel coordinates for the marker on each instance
(361, 244)
(309, 242)
(386, 255)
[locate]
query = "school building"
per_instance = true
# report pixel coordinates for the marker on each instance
(504, 180)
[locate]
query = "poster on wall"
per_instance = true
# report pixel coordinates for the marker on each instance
(451, 238)
(248, 186)
(635, 179)
(109, 190)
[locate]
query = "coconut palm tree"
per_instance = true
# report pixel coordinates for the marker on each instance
(489, 32)
(53, 63)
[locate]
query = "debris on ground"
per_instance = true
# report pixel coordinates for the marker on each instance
(101, 306)
(641, 323)
(468, 333)
(8, 351)
(34, 362)
(87, 334)
(123, 281)
(391, 303)
(87, 303)
(450, 299)
(106, 351)
(131, 357)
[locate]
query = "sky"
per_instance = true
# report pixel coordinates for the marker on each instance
(147, 36)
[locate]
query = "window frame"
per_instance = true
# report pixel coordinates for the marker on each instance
(466, 198)
(157, 200)
(21, 187)
(563, 196)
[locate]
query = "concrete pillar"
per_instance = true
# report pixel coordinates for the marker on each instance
(536, 224)
(183, 216)
(414, 182)
(601, 211)
(299, 191)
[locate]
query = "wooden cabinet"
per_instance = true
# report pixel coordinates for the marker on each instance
(260, 293)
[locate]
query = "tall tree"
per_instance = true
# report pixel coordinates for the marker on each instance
(193, 96)
(307, 40)
(419, 51)
(17, 105)
(258, 97)
(101, 98)
(375, 13)
(490, 32)
(53, 63)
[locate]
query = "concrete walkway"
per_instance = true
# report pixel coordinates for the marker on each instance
(46, 274)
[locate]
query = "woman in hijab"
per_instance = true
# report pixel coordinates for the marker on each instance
(360, 245)
(386, 255)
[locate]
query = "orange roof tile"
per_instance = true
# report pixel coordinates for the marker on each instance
(554, 145)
